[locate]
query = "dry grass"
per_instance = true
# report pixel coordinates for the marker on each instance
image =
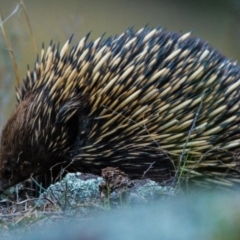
(9, 47)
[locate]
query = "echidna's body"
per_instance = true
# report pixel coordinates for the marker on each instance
(137, 102)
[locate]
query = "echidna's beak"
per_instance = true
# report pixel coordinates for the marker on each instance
(3, 185)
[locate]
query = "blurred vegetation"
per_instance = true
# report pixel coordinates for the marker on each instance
(209, 217)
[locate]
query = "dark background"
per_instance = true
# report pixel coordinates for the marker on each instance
(216, 21)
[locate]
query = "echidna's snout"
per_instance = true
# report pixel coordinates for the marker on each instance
(3, 185)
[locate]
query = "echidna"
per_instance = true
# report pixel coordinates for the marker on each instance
(153, 103)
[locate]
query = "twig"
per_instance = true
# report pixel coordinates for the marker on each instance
(144, 173)
(187, 140)
(29, 26)
(9, 43)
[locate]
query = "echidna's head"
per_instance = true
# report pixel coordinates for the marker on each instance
(33, 140)
(14, 149)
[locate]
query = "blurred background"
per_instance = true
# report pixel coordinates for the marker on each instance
(216, 21)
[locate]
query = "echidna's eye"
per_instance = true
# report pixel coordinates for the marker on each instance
(7, 173)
